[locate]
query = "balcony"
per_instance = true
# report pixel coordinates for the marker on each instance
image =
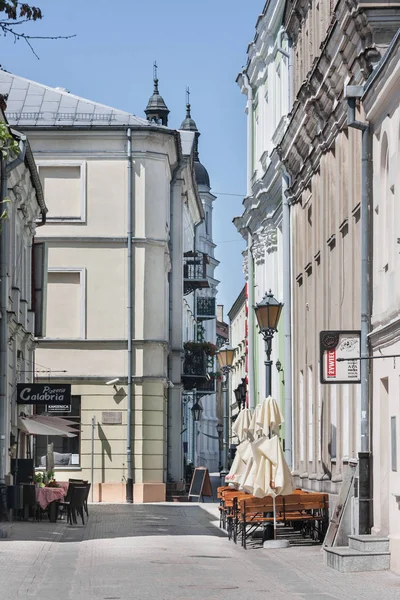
(194, 271)
(206, 308)
(196, 364)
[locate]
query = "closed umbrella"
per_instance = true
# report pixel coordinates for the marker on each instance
(269, 416)
(239, 464)
(242, 424)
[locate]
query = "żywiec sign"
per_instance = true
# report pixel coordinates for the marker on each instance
(342, 345)
(44, 393)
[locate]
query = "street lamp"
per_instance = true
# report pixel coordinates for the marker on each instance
(268, 312)
(196, 409)
(225, 357)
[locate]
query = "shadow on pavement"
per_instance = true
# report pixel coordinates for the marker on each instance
(122, 521)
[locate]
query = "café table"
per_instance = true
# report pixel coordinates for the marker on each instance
(48, 497)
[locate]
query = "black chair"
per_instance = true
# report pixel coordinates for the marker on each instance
(64, 504)
(88, 486)
(76, 504)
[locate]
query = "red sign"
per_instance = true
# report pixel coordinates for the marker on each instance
(331, 363)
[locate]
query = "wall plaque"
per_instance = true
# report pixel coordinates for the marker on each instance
(111, 418)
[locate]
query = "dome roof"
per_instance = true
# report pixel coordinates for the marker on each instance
(202, 177)
(156, 108)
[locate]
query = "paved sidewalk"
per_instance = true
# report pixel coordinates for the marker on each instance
(167, 552)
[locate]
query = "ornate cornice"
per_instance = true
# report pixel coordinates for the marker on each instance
(319, 113)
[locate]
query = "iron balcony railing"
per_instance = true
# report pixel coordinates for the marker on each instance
(195, 271)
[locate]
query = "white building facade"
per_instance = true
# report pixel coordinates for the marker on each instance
(265, 82)
(381, 102)
(119, 189)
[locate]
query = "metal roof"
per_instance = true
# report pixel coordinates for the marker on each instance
(34, 104)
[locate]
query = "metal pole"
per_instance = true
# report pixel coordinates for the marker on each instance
(365, 501)
(129, 479)
(193, 429)
(92, 469)
(287, 321)
(268, 366)
(225, 388)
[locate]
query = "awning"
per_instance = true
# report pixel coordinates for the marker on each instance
(46, 425)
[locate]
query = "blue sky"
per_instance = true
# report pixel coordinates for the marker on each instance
(201, 45)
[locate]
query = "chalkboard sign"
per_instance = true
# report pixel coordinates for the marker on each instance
(201, 483)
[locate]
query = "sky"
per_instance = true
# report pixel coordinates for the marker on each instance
(197, 44)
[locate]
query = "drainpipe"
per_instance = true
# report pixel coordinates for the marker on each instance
(129, 478)
(250, 269)
(365, 456)
(287, 322)
(3, 324)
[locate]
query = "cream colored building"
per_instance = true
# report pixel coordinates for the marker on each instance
(381, 102)
(120, 190)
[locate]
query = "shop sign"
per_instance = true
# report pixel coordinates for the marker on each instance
(56, 408)
(340, 353)
(44, 393)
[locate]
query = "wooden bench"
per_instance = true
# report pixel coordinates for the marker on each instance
(310, 510)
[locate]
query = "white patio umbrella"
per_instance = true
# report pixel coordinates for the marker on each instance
(33, 426)
(242, 424)
(239, 464)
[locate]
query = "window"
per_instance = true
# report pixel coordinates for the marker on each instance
(301, 415)
(64, 187)
(66, 450)
(65, 315)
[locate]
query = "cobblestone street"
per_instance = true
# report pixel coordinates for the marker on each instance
(162, 552)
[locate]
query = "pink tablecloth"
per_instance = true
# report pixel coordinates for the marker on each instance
(46, 495)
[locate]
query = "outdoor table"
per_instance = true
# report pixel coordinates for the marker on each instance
(48, 497)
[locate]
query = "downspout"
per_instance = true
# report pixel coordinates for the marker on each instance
(3, 324)
(250, 266)
(287, 322)
(171, 301)
(365, 455)
(129, 478)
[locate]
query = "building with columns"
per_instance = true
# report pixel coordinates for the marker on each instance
(264, 223)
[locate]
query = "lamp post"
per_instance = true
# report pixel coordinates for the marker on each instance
(268, 312)
(225, 359)
(196, 411)
(220, 429)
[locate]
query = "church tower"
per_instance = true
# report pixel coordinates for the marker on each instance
(156, 109)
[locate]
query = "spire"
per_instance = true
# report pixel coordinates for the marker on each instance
(188, 124)
(156, 109)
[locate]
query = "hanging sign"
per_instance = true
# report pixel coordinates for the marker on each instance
(342, 345)
(44, 393)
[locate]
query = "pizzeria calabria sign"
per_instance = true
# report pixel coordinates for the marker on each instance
(44, 393)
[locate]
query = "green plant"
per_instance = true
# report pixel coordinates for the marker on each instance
(38, 478)
(207, 347)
